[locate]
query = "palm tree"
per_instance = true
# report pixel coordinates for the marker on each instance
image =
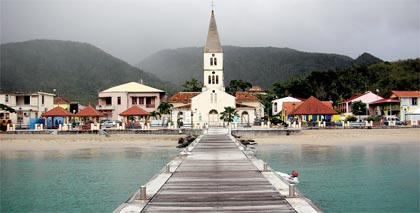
(228, 114)
(164, 108)
(154, 114)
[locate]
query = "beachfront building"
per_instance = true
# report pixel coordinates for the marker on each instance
(200, 108)
(367, 97)
(310, 110)
(115, 100)
(26, 105)
(277, 104)
(66, 104)
(404, 104)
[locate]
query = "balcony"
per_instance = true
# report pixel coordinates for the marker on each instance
(105, 107)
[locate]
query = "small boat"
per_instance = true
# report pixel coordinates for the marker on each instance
(290, 178)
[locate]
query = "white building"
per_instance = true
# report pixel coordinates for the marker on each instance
(277, 105)
(205, 107)
(113, 101)
(27, 106)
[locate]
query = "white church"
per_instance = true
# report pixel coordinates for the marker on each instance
(199, 108)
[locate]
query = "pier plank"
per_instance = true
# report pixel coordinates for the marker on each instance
(217, 177)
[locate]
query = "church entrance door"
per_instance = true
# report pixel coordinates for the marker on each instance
(245, 118)
(213, 118)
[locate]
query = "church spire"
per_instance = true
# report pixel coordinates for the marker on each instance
(213, 42)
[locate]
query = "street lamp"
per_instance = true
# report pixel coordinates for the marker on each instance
(20, 118)
(405, 116)
(192, 118)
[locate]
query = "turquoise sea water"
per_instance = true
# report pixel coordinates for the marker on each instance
(87, 180)
(371, 178)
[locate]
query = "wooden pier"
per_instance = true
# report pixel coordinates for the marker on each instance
(215, 175)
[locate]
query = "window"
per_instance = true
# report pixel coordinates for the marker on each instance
(212, 79)
(119, 100)
(215, 61)
(26, 100)
(150, 102)
(42, 99)
(134, 100)
(6, 99)
(209, 79)
(211, 61)
(413, 101)
(217, 79)
(141, 101)
(108, 101)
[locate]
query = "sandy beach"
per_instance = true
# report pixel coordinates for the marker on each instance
(11, 142)
(29, 142)
(347, 137)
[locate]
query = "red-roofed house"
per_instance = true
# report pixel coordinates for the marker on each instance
(310, 110)
(367, 97)
(409, 104)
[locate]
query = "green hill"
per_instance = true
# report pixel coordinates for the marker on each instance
(76, 70)
(258, 65)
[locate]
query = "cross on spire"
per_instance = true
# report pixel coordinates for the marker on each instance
(212, 5)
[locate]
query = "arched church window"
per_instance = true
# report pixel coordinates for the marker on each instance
(215, 61)
(217, 79)
(211, 61)
(212, 79)
(209, 80)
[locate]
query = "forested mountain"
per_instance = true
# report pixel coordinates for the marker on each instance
(338, 85)
(258, 65)
(76, 70)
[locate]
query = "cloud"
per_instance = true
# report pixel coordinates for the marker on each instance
(133, 29)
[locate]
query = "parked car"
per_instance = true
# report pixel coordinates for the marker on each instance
(388, 119)
(110, 123)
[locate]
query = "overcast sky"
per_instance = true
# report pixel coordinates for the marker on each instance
(133, 29)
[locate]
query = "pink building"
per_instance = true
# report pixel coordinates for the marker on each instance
(366, 97)
(113, 101)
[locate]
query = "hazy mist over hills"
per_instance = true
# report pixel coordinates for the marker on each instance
(76, 70)
(258, 65)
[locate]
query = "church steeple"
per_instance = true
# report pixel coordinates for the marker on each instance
(213, 59)
(213, 42)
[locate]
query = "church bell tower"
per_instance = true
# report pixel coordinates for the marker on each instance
(213, 59)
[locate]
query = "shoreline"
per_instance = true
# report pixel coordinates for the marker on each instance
(346, 137)
(13, 142)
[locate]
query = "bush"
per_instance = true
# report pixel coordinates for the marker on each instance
(351, 118)
(373, 118)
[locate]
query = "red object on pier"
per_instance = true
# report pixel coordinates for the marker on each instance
(295, 174)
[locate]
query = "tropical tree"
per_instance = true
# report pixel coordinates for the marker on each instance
(154, 114)
(164, 108)
(192, 86)
(359, 108)
(228, 114)
(236, 85)
(7, 108)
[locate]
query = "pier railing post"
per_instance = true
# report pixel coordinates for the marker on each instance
(142, 193)
(265, 167)
(292, 190)
(168, 168)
